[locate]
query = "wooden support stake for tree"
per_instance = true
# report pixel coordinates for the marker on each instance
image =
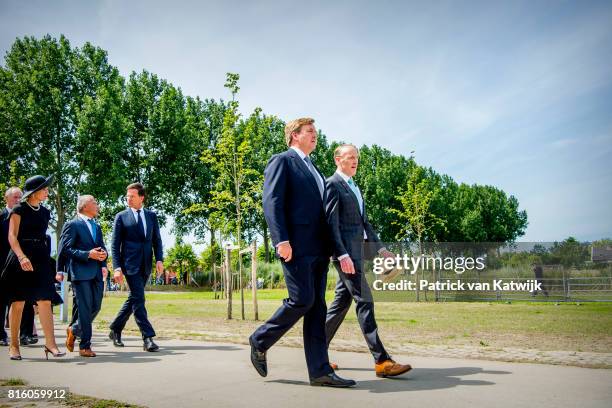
(241, 286)
(214, 282)
(228, 282)
(254, 279)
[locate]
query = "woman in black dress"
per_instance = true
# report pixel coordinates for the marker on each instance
(27, 273)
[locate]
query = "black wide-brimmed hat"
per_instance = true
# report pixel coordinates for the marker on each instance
(35, 183)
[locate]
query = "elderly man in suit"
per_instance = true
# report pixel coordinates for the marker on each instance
(11, 197)
(136, 238)
(82, 254)
(293, 204)
(351, 233)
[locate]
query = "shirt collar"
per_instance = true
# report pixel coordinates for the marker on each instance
(299, 152)
(134, 210)
(344, 176)
(84, 217)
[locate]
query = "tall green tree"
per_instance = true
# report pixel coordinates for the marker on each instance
(380, 176)
(266, 136)
(182, 259)
(236, 182)
(415, 218)
(43, 86)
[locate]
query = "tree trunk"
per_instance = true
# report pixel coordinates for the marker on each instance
(213, 253)
(266, 244)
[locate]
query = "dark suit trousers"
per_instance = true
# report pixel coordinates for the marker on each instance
(75, 309)
(355, 287)
(306, 278)
(135, 303)
(89, 300)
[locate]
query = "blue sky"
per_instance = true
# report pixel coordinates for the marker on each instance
(509, 93)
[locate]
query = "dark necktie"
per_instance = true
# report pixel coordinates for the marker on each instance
(140, 224)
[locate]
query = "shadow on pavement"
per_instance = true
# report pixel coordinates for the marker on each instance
(121, 355)
(418, 379)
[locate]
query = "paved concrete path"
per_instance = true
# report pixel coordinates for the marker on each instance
(196, 374)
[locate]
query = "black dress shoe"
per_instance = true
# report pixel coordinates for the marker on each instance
(332, 380)
(149, 345)
(116, 338)
(27, 340)
(258, 358)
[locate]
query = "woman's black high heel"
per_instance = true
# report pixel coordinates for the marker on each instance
(58, 354)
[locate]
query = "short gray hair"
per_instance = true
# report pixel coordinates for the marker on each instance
(83, 200)
(11, 191)
(340, 148)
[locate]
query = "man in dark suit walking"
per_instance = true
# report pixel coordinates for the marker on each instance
(293, 197)
(81, 253)
(136, 237)
(351, 233)
(11, 197)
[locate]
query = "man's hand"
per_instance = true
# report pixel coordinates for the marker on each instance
(284, 251)
(118, 276)
(97, 254)
(347, 266)
(104, 273)
(59, 276)
(159, 267)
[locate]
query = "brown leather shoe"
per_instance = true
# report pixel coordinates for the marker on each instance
(87, 353)
(390, 368)
(70, 339)
(334, 366)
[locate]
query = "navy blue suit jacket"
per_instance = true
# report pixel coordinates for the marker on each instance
(130, 248)
(293, 207)
(73, 251)
(346, 222)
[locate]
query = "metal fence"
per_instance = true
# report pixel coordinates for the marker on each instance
(562, 286)
(564, 289)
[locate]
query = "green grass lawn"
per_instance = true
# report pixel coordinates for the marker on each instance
(543, 326)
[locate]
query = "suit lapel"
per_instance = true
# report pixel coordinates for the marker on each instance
(132, 221)
(149, 222)
(129, 218)
(83, 224)
(302, 166)
(323, 181)
(348, 189)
